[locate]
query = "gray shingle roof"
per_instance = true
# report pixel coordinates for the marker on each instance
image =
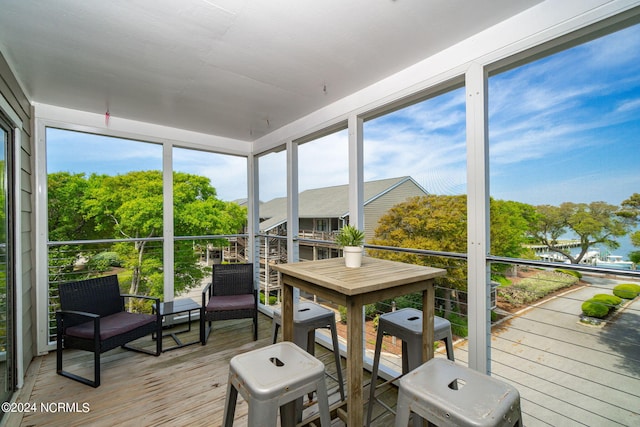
(326, 202)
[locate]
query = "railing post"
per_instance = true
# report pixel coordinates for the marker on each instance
(478, 219)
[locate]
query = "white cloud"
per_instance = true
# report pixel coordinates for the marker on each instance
(228, 174)
(81, 152)
(629, 105)
(273, 175)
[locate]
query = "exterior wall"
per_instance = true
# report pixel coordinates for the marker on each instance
(20, 106)
(306, 253)
(310, 252)
(374, 210)
(306, 224)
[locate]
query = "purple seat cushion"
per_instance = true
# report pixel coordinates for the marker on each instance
(231, 302)
(112, 325)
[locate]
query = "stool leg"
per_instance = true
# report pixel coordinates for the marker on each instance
(412, 356)
(290, 413)
(311, 342)
(300, 337)
(403, 411)
(323, 403)
(413, 360)
(374, 374)
(336, 353)
(311, 349)
(449, 343)
(264, 413)
(230, 406)
(274, 331)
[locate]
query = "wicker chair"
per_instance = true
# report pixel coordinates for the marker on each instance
(92, 317)
(230, 295)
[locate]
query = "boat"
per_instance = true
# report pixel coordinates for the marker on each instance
(614, 261)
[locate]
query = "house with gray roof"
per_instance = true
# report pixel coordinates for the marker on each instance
(323, 211)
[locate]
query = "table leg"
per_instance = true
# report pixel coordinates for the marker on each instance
(287, 312)
(355, 404)
(428, 313)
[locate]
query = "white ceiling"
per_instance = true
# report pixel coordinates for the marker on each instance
(233, 68)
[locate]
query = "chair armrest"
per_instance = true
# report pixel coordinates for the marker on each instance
(206, 291)
(62, 313)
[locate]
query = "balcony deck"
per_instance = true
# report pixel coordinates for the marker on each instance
(182, 387)
(567, 373)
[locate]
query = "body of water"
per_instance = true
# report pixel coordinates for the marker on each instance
(624, 250)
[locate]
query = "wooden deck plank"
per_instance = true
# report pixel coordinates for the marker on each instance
(183, 387)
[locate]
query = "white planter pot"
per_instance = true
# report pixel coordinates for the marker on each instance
(352, 256)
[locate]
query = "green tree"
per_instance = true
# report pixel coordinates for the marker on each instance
(66, 197)
(630, 210)
(593, 223)
(510, 228)
(431, 222)
(128, 206)
(439, 223)
(131, 206)
(66, 221)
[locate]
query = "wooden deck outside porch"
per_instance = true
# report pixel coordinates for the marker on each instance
(182, 387)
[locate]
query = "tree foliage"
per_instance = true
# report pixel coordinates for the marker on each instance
(130, 206)
(66, 197)
(439, 223)
(630, 209)
(594, 223)
(426, 222)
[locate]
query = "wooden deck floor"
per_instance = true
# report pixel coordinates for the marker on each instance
(183, 387)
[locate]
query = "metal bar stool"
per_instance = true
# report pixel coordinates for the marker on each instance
(306, 319)
(272, 378)
(406, 324)
(445, 394)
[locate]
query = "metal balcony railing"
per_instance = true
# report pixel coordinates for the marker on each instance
(569, 370)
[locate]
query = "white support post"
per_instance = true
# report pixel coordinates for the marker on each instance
(478, 219)
(42, 236)
(293, 222)
(356, 186)
(167, 215)
(356, 172)
(253, 215)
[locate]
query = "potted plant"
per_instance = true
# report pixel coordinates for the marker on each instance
(351, 240)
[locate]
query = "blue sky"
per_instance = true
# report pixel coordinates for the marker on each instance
(563, 128)
(567, 127)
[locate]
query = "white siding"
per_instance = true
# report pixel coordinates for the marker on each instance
(20, 107)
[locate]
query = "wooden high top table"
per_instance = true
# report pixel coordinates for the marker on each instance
(353, 288)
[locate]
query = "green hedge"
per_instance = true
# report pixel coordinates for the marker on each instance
(611, 300)
(595, 308)
(272, 299)
(627, 290)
